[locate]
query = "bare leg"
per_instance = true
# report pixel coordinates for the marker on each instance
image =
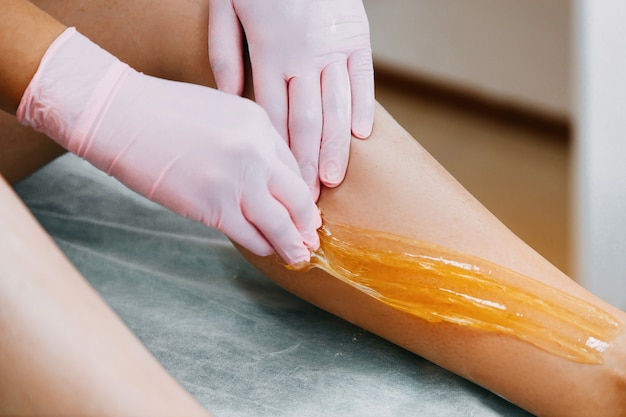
(64, 352)
(393, 185)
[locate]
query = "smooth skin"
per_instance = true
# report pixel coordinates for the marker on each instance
(63, 351)
(392, 184)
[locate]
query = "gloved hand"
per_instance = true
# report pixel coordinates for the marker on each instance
(312, 71)
(205, 154)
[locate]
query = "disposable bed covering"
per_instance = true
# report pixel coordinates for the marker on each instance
(236, 341)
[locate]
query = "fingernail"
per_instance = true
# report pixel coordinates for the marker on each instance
(311, 240)
(362, 129)
(359, 132)
(299, 266)
(332, 174)
(303, 256)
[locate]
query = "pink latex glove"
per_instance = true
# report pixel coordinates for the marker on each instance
(312, 71)
(205, 154)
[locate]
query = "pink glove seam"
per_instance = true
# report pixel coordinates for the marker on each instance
(160, 178)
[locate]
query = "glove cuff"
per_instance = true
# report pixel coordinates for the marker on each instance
(71, 89)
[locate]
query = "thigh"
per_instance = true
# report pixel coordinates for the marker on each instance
(164, 38)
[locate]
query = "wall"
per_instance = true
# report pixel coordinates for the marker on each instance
(600, 149)
(517, 51)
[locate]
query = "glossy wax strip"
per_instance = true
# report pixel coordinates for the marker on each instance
(440, 285)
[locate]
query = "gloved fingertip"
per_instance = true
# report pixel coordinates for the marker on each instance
(317, 220)
(361, 132)
(299, 257)
(265, 252)
(302, 266)
(362, 129)
(229, 85)
(332, 175)
(311, 240)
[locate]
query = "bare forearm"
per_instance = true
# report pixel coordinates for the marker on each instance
(25, 34)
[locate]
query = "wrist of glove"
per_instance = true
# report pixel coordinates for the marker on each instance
(206, 155)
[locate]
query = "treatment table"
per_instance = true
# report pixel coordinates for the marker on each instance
(239, 343)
